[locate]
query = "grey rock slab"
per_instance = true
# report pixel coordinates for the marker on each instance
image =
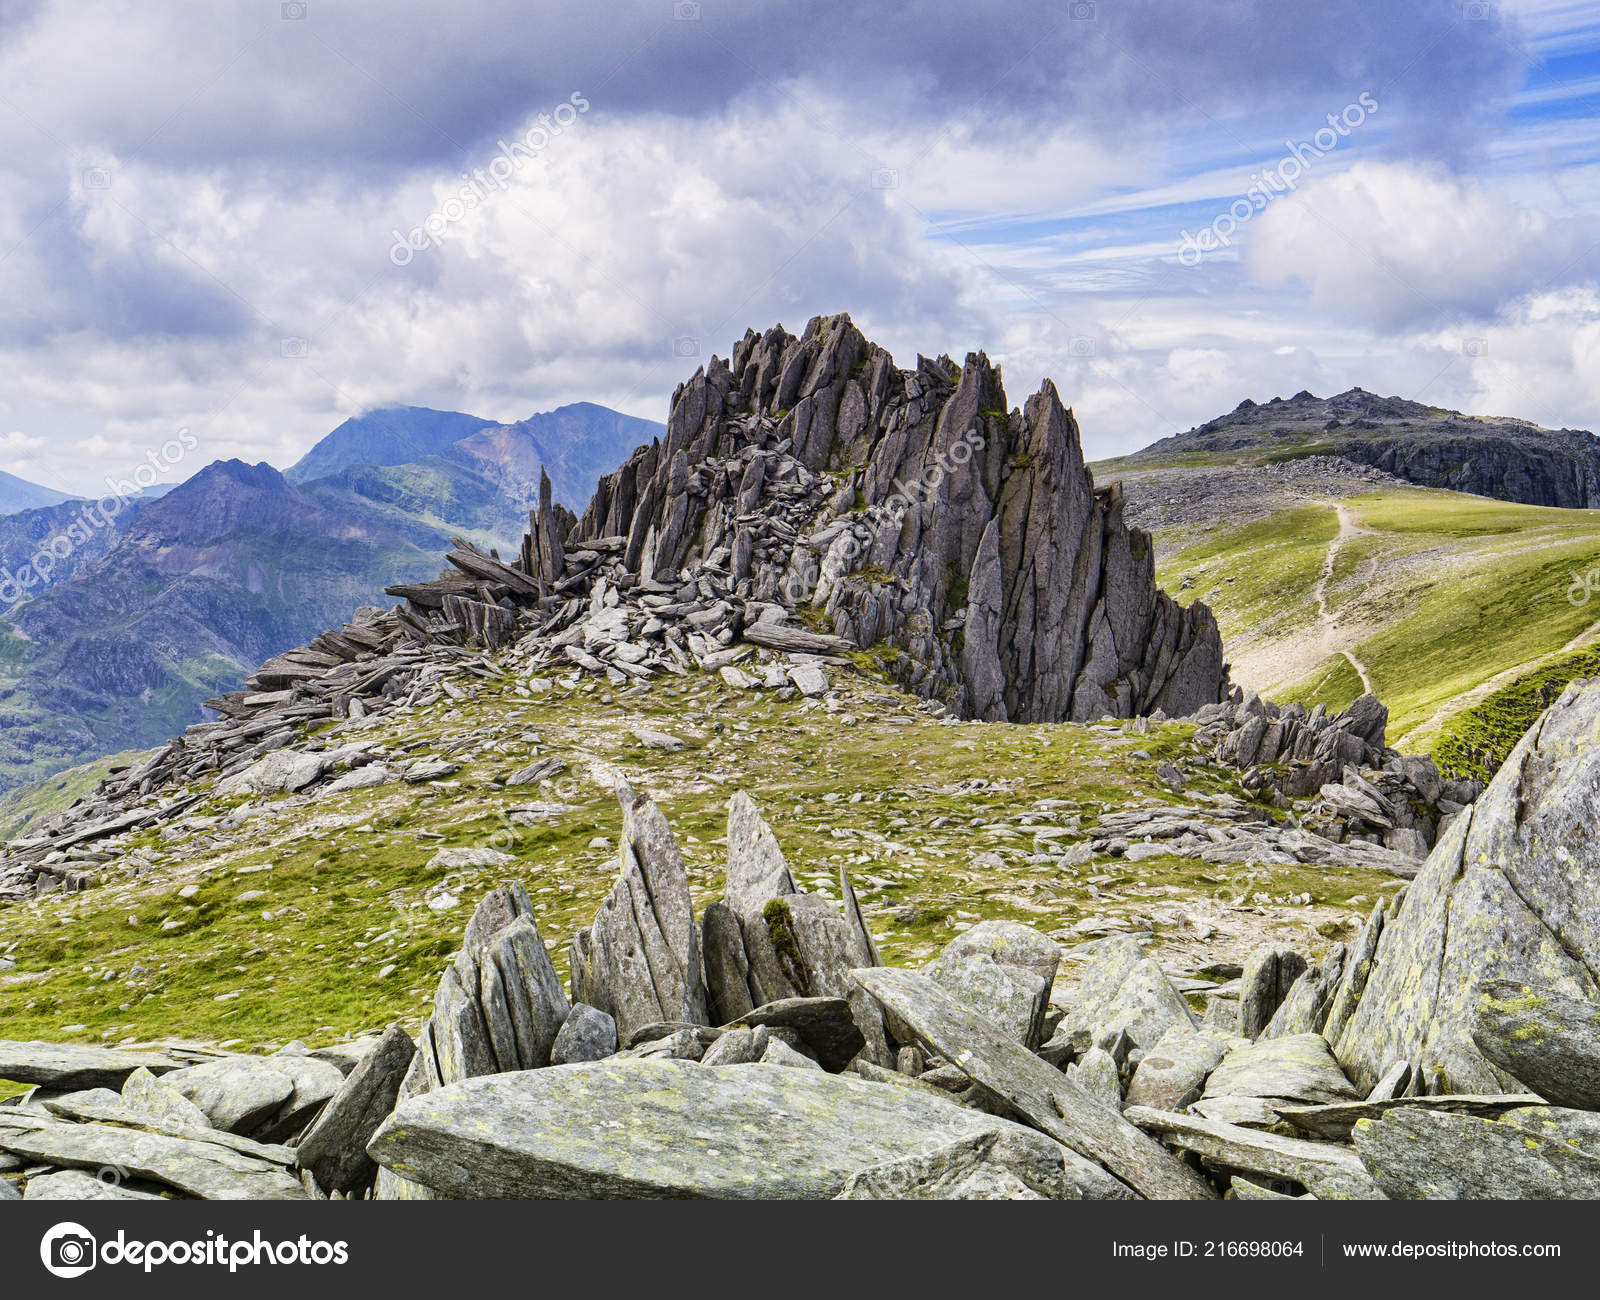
(1268, 977)
(203, 1169)
(145, 1093)
(123, 1117)
(827, 1025)
(1174, 1072)
(1329, 1172)
(1004, 972)
(1123, 991)
(757, 871)
(587, 1034)
(1549, 1042)
(315, 1082)
(1337, 1122)
(1097, 1074)
(1543, 1155)
(1009, 1163)
(778, 1052)
(738, 1046)
(69, 1066)
(654, 1129)
(75, 1185)
(335, 1147)
(1298, 1068)
(238, 1093)
(1506, 894)
(1036, 1091)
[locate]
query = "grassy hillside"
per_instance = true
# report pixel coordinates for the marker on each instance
(1438, 597)
(319, 916)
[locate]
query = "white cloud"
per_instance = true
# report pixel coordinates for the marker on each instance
(1399, 244)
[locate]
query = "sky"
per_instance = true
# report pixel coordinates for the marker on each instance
(246, 222)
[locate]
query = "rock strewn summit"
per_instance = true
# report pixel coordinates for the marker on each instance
(912, 508)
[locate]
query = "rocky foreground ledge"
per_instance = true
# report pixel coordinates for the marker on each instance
(763, 1051)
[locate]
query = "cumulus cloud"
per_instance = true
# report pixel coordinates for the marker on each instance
(197, 202)
(1400, 244)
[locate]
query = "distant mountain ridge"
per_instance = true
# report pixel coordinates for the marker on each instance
(1513, 460)
(19, 494)
(177, 599)
(574, 444)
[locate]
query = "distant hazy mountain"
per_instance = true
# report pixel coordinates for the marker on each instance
(19, 494)
(576, 444)
(183, 596)
(223, 572)
(1514, 460)
(395, 435)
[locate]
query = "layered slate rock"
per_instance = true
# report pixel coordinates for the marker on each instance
(1539, 1153)
(1509, 894)
(335, 1149)
(766, 942)
(656, 1129)
(916, 508)
(640, 961)
(199, 1168)
(1549, 1042)
(1004, 972)
(1029, 1087)
(70, 1066)
(1006, 1164)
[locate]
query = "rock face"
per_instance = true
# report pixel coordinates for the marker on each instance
(1508, 894)
(650, 1129)
(911, 507)
(640, 961)
(1513, 460)
(1346, 784)
(1549, 1042)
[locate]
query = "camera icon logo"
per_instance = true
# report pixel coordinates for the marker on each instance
(686, 11)
(69, 1250)
(97, 178)
(293, 11)
(685, 347)
(1475, 347)
(292, 349)
(885, 178)
(1080, 347)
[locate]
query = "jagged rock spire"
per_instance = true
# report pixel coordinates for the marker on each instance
(911, 508)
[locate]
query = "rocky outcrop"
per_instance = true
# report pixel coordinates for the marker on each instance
(1335, 771)
(913, 509)
(1508, 894)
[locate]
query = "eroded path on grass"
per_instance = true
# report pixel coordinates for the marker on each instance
(1328, 627)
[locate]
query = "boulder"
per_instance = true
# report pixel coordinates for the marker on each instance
(1003, 972)
(1549, 1042)
(1507, 894)
(335, 1149)
(1123, 991)
(1540, 1154)
(237, 1094)
(1010, 1163)
(589, 1034)
(1255, 1080)
(1174, 1072)
(654, 1129)
(145, 1093)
